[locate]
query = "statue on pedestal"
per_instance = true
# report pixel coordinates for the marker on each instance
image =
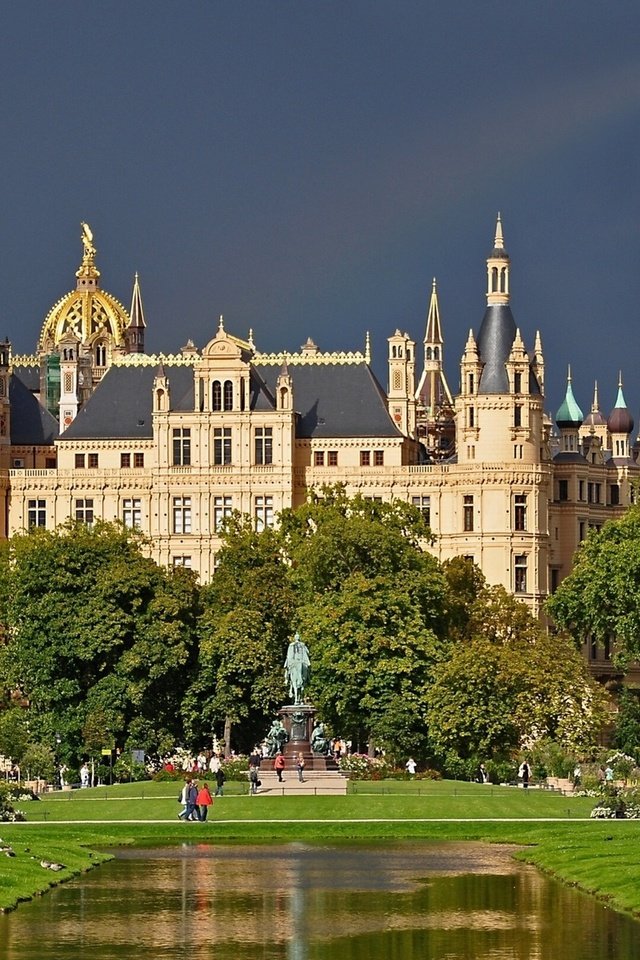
(297, 669)
(276, 738)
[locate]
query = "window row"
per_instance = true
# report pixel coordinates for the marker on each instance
(181, 512)
(222, 446)
(92, 460)
(589, 492)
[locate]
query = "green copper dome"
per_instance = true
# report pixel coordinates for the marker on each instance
(569, 413)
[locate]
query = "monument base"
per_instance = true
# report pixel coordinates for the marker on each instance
(299, 720)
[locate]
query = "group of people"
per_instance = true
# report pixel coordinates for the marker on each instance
(279, 765)
(195, 801)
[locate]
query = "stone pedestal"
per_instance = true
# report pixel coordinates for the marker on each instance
(299, 720)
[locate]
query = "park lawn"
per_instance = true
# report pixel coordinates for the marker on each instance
(598, 856)
(400, 800)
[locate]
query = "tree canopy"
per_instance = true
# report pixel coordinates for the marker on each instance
(97, 629)
(601, 596)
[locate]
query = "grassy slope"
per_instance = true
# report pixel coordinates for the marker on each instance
(597, 856)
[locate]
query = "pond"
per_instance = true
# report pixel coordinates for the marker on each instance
(334, 901)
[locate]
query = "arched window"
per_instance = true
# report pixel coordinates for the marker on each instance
(160, 399)
(393, 352)
(503, 280)
(216, 396)
(436, 353)
(228, 395)
(429, 353)
(494, 279)
(101, 355)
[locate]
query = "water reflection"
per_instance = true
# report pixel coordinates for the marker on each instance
(317, 902)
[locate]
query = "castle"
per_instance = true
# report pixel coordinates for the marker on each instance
(92, 427)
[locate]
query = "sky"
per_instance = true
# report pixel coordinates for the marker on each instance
(306, 167)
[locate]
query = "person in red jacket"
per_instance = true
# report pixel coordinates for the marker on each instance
(278, 766)
(204, 800)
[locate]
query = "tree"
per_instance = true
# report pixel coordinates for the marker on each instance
(601, 596)
(243, 632)
(96, 627)
(510, 683)
(372, 609)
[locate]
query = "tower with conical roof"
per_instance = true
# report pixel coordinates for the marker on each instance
(434, 403)
(499, 412)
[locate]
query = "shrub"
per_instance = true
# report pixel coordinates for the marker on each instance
(126, 770)
(362, 767)
(235, 768)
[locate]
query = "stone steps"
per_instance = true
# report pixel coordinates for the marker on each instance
(315, 783)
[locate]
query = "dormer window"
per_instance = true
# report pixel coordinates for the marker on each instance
(228, 395)
(216, 396)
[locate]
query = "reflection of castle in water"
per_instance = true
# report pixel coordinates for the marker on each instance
(352, 902)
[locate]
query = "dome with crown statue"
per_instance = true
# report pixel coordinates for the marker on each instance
(91, 315)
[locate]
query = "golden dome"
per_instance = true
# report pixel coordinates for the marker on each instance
(87, 313)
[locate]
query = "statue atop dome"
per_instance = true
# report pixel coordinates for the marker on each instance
(88, 267)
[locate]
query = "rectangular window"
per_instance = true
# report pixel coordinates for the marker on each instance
(182, 514)
(263, 512)
(615, 494)
(79, 461)
(92, 461)
(471, 416)
(378, 458)
(472, 383)
(37, 514)
(132, 513)
(520, 574)
(181, 446)
(138, 459)
(424, 506)
(555, 579)
(365, 458)
(50, 463)
(517, 415)
(263, 445)
(517, 384)
(125, 460)
(582, 530)
(581, 490)
(182, 562)
(222, 508)
(332, 457)
(318, 458)
(597, 492)
(468, 513)
(520, 511)
(84, 511)
(222, 446)
(563, 489)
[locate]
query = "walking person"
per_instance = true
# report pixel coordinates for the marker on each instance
(278, 766)
(220, 779)
(184, 800)
(192, 805)
(204, 800)
(254, 783)
(524, 773)
(300, 767)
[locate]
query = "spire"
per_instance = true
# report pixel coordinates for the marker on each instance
(367, 347)
(250, 339)
(137, 310)
(595, 406)
(221, 324)
(87, 273)
(498, 269)
(134, 333)
(433, 333)
(620, 401)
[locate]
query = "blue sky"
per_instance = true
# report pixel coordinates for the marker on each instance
(307, 167)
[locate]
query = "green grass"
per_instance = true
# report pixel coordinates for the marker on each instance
(598, 856)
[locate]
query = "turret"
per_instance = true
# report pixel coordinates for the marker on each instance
(569, 420)
(620, 425)
(134, 334)
(402, 404)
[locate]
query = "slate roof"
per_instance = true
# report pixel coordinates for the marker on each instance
(495, 339)
(120, 406)
(333, 400)
(336, 400)
(30, 376)
(31, 424)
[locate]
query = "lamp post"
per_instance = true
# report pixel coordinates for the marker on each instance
(58, 740)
